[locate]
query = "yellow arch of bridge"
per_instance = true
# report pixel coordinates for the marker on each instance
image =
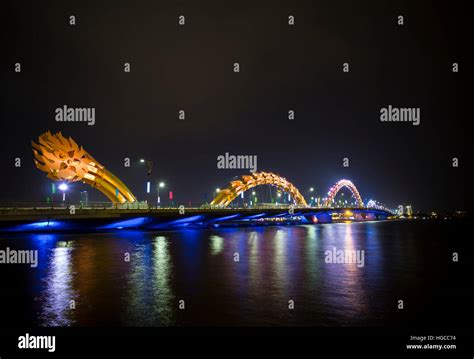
(227, 195)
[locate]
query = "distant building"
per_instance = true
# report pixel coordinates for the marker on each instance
(409, 210)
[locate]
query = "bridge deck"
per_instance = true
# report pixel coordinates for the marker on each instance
(92, 219)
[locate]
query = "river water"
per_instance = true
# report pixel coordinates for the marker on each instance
(260, 276)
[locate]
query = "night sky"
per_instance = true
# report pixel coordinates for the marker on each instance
(282, 68)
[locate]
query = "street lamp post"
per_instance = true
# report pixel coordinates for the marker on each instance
(63, 187)
(160, 185)
(149, 164)
(150, 168)
(311, 190)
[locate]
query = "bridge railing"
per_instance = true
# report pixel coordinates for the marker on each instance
(90, 205)
(6, 207)
(42, 205)
(38, 205)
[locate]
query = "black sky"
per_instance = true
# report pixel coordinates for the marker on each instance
(282, 67)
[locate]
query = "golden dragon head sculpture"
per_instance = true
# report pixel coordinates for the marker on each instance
(64, 160)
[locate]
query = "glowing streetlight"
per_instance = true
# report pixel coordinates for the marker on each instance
(150, 168)
(149, 164)
(63, 187)
(160, 185)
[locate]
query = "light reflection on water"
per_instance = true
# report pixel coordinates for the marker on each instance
(276, 264)
(59, 295)
(149, 295)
